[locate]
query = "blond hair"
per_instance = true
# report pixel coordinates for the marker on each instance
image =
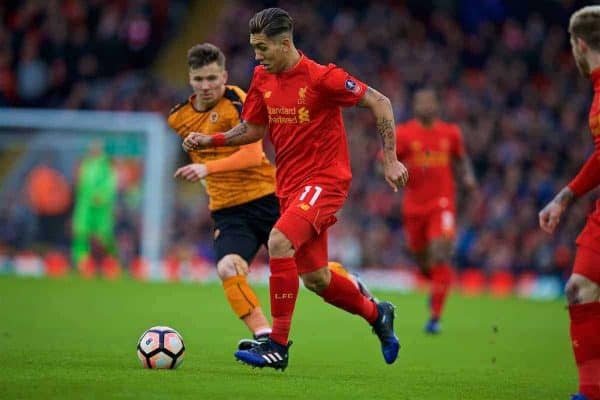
(585, 24)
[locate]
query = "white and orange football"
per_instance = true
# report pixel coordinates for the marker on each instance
(161, 347)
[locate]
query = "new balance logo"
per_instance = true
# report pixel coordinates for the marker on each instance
(272, 357)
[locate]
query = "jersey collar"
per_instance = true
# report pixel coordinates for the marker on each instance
(295, 67)
(192, 100)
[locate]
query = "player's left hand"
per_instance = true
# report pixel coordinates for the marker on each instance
(396, 174)
(192, 172)
(470, 184)
(549, 217)
(196, 141)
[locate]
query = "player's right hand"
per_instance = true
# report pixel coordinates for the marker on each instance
(192, 172)
(549, 217)
(196, 141)
(396, 174)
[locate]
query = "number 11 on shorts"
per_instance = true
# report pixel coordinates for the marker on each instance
(315, 196)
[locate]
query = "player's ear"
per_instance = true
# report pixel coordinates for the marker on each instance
(582, 46)
(286, 44)
(225, 76)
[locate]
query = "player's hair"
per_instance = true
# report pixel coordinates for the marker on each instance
(203, 54)
(426, 89)
(271, 22)
(585, 24)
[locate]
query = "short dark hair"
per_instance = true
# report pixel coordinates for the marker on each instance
(585, 24)
(203, 54)
(271, 22)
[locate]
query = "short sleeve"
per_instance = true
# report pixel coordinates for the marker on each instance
(174, 122)
(254, 110)
(171, 120)
(341, 87)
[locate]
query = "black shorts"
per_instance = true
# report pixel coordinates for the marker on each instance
(243, 229)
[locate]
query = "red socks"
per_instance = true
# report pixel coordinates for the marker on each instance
(441, 279)
(343, 294)
(585, 339)
(283, 286)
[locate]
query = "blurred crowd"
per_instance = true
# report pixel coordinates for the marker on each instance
(503, 72)
(85, 54)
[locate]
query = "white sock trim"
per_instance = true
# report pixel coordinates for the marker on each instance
(262, 331)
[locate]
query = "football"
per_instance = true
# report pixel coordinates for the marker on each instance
(161, 347)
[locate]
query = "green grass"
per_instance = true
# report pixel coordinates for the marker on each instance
(75, 339)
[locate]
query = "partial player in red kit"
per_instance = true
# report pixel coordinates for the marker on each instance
(299, 102)
(429, 147)
(583, 287)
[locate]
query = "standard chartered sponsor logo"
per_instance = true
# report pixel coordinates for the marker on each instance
(288, 115)
(303, 115)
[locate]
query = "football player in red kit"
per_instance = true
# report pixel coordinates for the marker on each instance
(583, 287)
(299, 102)
(429, 147)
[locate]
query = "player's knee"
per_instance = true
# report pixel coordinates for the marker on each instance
(231, 265)
(317, 281)
(279, 245)
(422, 260)
(439, 258)
(440, 252)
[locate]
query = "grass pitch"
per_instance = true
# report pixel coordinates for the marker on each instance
(75, 339)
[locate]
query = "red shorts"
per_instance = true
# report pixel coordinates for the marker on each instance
(587, 258)
(305, 217)
(421, 230)
(587, 263)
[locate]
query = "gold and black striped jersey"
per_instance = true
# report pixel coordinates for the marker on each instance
(231, 188)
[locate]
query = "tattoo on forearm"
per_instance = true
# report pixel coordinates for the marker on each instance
(384, 119)
(565, 197)
(385, 128)
(236, 131)
(371, 93)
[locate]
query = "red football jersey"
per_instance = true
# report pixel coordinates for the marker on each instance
(594, 118)
(588, 177)
(302, 109)
(428, 154)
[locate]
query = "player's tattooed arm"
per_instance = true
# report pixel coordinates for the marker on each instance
(385, 128)
(244, 133)
(370, 96)
(550, 215)
(564, 198)
(384, 117)
(395, 172)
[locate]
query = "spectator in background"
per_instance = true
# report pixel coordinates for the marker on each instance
(503, 71)
(49, 196)
(94, 211)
